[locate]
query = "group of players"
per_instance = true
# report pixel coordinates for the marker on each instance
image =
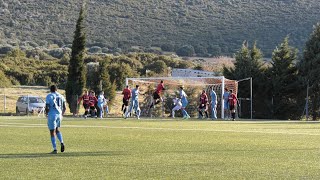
(56, 106)
(95, 106)
(134, 96)
(180, 102)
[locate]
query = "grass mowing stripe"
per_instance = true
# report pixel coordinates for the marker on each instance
(21, 125)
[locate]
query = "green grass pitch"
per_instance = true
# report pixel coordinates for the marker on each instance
(160, 149)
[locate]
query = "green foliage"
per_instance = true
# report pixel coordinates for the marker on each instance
(310, 68)
(119, 72)
(284, 82)
(28, 71)
(16, 53)
(76, 70)
(215, 50)
(106, 85)
(198, 67)
(92, 77)
(249, 64)
(131, 22)
(167, 47)
(5, 82)
(186, 50)
(200, 50)
(159, 67)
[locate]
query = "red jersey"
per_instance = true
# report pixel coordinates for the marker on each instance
(92, 100)
(160, 87)
(84, 98)
(232, 99)
(203, 98)
(126, 93)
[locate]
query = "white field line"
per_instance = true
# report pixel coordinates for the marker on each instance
(24, 125)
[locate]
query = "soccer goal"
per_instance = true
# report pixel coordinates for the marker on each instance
(193, 87)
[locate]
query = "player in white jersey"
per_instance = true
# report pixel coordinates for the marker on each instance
(55, 108)
(214, 103)
(178, 105)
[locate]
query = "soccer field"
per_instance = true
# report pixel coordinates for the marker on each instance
(160, 149)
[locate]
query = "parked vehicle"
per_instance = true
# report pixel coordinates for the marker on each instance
(30, 104)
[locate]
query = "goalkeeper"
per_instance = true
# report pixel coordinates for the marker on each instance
(156, 95)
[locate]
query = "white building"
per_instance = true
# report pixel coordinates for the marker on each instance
(190, 73)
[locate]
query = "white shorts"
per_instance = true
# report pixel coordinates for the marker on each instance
(176, 108)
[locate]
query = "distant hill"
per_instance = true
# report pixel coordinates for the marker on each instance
(217, 25)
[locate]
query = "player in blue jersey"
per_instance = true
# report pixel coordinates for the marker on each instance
(55, 108)
(134, 102)
(184, 101)
(214, 103)
(225, 98)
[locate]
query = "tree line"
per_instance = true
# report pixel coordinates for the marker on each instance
(283, 88)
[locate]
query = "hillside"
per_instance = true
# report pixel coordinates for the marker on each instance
(216, 25)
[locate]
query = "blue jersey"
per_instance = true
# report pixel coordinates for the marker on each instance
(101, 100)
(213, 97)
(55, 102)
(135, 94)
(183, 95)
(226, 96)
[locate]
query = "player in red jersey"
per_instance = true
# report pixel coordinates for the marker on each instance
(232, 104)
(156, 95)
(125, 100)
(85, 102)
(203, 107)
(92, 104)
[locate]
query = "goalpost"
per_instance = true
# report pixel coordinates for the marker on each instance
(193, 87)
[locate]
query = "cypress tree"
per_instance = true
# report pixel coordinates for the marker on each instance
(284, 81)
(77, 72)
(310, 68)
(248, 63)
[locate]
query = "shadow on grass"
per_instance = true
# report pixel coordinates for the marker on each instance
(64, 154)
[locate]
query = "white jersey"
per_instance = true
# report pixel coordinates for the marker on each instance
(177, 102)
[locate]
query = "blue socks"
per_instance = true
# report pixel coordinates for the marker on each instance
(59, 136)
(53, 142)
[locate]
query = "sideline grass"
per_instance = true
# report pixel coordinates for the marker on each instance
(160, 149)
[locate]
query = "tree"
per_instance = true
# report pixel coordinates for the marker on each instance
(158, 67)
(214, 50)
(310, 68)
(249, 64)
(186, 50)
(283, 74)
(167, 47)
(92, 77)
(107, 87)
(119, 73)
(199, 67)
(76, 69)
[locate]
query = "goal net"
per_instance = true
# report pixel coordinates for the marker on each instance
(193, 87)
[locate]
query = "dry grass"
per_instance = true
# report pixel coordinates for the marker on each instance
(214, 64)
(9, 97)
